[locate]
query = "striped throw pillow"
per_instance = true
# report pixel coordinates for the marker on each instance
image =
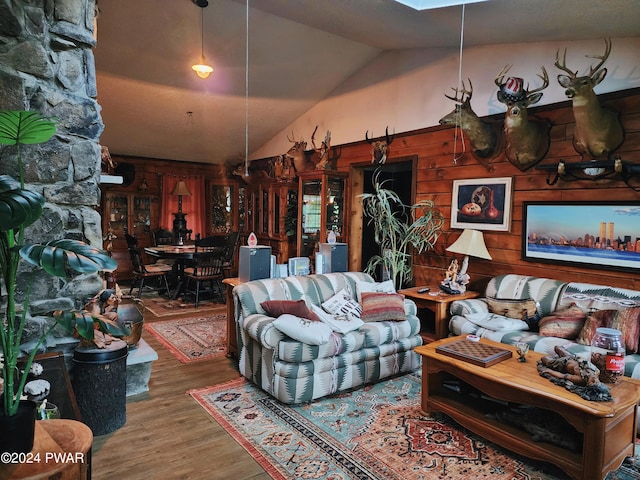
(378, 307)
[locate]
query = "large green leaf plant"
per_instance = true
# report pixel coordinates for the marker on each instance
(19, 208)
(398, 228)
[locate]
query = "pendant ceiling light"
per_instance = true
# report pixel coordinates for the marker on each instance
(202, 69)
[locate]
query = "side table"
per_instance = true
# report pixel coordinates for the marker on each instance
(232, 339)
(61, 451)
(438, 302)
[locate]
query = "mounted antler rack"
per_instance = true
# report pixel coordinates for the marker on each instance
(592, 170)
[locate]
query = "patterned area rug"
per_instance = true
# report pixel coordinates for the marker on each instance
(192, 339)
(163, 307)
(374, 433)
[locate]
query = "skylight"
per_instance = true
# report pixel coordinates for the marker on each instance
(430, 4)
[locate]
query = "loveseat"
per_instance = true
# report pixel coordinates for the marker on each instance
(566, 314)
(298, 370)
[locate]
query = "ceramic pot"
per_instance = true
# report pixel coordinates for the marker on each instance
(18, 430)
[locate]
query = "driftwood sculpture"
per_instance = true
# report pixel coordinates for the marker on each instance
(575, 374)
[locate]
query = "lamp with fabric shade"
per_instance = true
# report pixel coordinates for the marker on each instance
(180, 189)
(180, 222)
(470, 244)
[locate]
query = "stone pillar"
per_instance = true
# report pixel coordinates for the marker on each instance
(47, 64)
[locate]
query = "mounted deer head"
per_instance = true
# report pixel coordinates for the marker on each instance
(526, 140)
(482, 136)
(298, 155)
(253, 175)
(380, 149)
(321, 155)
(598, 130)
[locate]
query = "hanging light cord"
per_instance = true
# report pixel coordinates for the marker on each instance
(246, 98)
(202, 35)
(459, 113)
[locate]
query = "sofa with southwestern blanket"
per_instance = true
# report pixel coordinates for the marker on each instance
(544, 313)
(297, 358)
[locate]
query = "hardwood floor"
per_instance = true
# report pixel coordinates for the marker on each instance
(167, 435)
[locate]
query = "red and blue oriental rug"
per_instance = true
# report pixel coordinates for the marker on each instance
(376, 433)
(192, 339)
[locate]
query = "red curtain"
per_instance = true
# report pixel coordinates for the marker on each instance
(194, 205)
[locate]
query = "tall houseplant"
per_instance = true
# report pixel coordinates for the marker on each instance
(397, 229)
(20, 208)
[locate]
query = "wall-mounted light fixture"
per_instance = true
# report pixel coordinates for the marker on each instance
(202, 69)
(615, 169)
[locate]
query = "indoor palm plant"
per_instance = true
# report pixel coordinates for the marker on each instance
(20, 208)
(397, 228)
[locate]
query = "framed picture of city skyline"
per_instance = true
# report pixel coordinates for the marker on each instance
(603, 235)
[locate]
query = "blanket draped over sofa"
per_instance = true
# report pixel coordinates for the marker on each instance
(294, 371)
(550, 296)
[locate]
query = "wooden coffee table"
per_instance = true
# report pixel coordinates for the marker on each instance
(608, 428)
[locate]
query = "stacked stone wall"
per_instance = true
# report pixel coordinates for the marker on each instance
(47, 64)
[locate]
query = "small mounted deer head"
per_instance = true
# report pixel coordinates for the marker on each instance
(482, 136)
(380, 149)
(526, 140)
(321, 154)
(298, 155)
(598, 130)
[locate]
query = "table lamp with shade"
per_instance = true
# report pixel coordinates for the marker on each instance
(470, 244)
(180, 222)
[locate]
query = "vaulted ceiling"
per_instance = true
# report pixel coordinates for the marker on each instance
(299, 51)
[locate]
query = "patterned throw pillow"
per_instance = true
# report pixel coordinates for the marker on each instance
(338, 323)
(378, 307)
(512, 308)
(496, 323)
(565, 323)
(275, 308)
(342, 304)
(379, 287)
(626, 320)
(303, 330)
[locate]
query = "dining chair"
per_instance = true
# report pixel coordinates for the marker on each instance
(233, 239)
(162, 236)
(142, 272)
(205, 276)
(206, 270)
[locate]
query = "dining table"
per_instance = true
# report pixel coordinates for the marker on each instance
(184, 255)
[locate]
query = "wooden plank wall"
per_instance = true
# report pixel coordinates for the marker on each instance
(436, 172)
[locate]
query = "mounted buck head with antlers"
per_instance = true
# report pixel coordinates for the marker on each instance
(320, 156)
(380, 150)
(298, 155)
(482, 136)
(526, 139)
(598, 130)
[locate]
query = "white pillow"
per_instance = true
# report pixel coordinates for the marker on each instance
(497, 323)
(303, 330)
(342, 304)
(376, 287)
(338, 323)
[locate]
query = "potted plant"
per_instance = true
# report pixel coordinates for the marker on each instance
(397, 228)
(19, 208)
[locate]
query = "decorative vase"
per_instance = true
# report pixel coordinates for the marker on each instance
(492, 211)
(18, 430)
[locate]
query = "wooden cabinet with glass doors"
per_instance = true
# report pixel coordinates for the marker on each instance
(222, 210)
(269, 209)
(322, 205)
(132, 213)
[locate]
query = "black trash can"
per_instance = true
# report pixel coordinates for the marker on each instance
(100, 386)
